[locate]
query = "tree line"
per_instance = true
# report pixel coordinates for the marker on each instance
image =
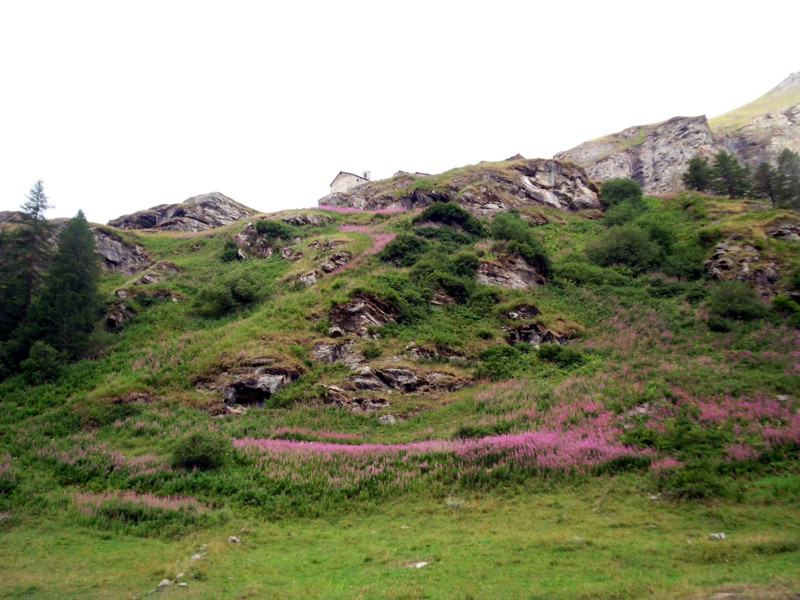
(49, 299)
(726, 175)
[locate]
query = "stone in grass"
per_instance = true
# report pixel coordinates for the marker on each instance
(234, 540)
(716, 536)
(164, 583)
(417, 565)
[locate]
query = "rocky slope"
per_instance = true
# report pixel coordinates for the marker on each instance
(657, 155)
(483, 189)
(195, 214)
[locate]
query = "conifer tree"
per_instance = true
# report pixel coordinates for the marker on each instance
(765, 182)
(65, 312)
(788, 179)
(35, 238)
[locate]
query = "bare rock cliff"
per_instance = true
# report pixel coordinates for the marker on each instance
(654, 155)
(195, 214)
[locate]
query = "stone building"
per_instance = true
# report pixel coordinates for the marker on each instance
(344, 181)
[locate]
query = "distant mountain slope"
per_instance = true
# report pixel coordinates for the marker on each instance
(656, 155)
(195, 214)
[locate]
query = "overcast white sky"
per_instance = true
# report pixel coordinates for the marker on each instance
(121, 106)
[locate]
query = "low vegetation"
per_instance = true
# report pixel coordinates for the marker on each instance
(595, 430)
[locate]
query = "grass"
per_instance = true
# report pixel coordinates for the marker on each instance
(602, 539)
(775, 99)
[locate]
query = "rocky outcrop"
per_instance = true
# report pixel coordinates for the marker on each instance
(301, 219)
(657, 155)
(346, 352)
(361, 314)
(533, 334)
(252, 382)
(483, 189)
(761, 130)
(654, 155)
(732, 260)
(195, 214)
(785, 229)
(509, 271)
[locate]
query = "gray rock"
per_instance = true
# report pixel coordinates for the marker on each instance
(164, 583)
(234, 540)
(194, 214)
(119, 255)
(509, 271)
(308, 279)
(387, 419)
(362, 312)
(716, 536)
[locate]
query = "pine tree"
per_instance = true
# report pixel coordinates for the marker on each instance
(13, 281)
(65, 312)
(788, 179)
(698, 175)
(729, 176)
(765, 182)
(35, 237)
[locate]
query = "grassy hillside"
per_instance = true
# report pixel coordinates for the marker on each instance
(785, 95)
(593, 467)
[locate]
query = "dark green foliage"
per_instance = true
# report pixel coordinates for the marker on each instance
(788, 179)
(698, 175)
(65, 312)
(446, 235)
(502, 361)
(275, 230)
(230, 252)
(615, 191)
(736, 300)
(685, 261)
(625, 245)
(35, 238)
(785, 305)
(581, 272)
(465, 265)
(404, 250)
(201, 450)
(371, 351)
(729, 176)
(42, 365)
(450, 213)
(765, 182)
(698, 481)
(624, 212)
(13, 281)
(563, 356)
(230, 292)
(520, 238)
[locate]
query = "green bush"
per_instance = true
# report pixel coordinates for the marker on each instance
(615, 191)
(201, 450)
(736, 300)
(229, 293)
(275, 230)
(446, 235)
(450, 213)
(785, 305)
(43, 364)
(625, 245)
(371, 351)
(563, 356)
(230, 252)
(520, 238)
(502, 361)
(404, 250)
(624, 212)
(585, 273)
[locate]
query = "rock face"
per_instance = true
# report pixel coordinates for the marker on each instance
(251, 383)
(483, 189)
(657, 155)
(731, 260)
(118, 254)
(654, 155)
(509, 271)
(195, 214)
(361, 313)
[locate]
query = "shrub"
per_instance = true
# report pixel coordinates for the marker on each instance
(563, 356)
(450, 213)
(43, 364)
(230, 252)
(625, 245)
(736, 300)
(582, 273)
(502, 361)
(274, 230)
(371, 351)
(509, 227)
(404, 250)
(622, 213)
(784, 304)
(446, 235)
(614, 191)
(228, 293)
(201, 450)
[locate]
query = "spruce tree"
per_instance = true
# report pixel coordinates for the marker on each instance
(698, 175)
(729, 176)
(13, 282)
(35, 237)
(65, 312)
(765, 182)
(788, 179)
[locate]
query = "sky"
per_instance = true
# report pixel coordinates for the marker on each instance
(120, 106)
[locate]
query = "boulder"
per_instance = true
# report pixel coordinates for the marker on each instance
(300, 219)
(120, 255)
(533, 334)
(346, 352)
(732, 260)
(251, 383)
(509, 271)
